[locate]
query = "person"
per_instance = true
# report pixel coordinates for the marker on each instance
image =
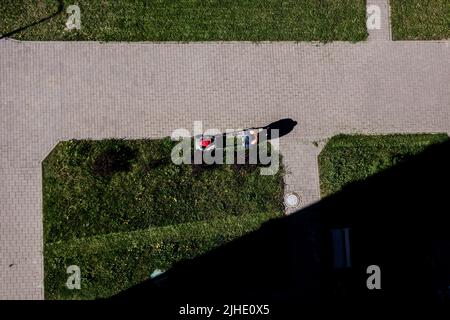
(250, 138)
(253, 137)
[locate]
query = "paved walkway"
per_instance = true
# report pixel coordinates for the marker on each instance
(57, 91)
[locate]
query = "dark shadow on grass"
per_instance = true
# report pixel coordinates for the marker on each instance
(115, 159)
(13, 32)
(397, 221)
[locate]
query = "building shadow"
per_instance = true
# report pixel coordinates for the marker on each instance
(13, 32)
(320, 255)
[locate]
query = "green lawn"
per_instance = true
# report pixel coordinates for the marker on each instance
(420, 20)
(119, 209)
(349, 158)
(113, 262)
(190, 20)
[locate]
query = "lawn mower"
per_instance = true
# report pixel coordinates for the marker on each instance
(242, 139)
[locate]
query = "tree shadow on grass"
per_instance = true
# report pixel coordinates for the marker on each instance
(114, 159)
(13, 32)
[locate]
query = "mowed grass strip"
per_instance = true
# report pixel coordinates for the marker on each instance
(350, 158)
(420, 20)
(190, 20)
(99, 187)
(112, 263)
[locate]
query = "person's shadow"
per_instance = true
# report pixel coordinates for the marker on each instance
(284, 126)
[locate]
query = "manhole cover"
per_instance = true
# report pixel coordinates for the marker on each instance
(292, 200)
